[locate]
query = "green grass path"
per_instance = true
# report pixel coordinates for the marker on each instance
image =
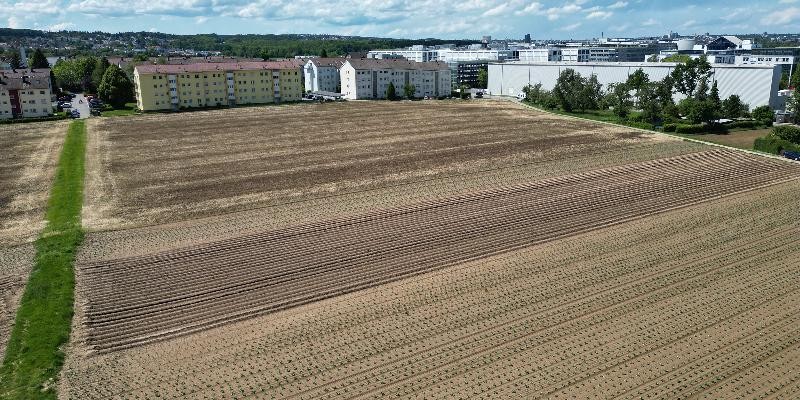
(34, 355)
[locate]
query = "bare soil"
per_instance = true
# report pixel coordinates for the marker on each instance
(697, 302)
(169, 168)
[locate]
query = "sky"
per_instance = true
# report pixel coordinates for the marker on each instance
(446, 19)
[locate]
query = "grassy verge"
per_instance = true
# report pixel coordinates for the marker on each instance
(34, 355)
(128, 109)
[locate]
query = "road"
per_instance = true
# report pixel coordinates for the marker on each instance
(79, 103)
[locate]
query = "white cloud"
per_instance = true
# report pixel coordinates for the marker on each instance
(782, 17)
(63, 26)
(13, 23)
(650, 22)
(200, 20)
(599, 15)
(787, 1)
(571, 27)
(619, 4)
(533, 8)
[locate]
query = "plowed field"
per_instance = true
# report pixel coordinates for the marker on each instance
(371, 250)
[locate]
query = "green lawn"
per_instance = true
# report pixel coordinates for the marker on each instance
(34, 355)
(742, 139)
(129, 109)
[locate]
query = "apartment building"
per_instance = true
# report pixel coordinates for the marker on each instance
(172, 87)
(322, 74)
(25, 93)
(369, 78)
(466, 72)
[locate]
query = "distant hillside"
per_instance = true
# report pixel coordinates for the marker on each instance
(154, 44)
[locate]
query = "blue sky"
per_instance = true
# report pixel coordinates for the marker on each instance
(409, 18)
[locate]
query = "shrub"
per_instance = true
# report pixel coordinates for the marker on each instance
(743, 124)
(641, 125)
(670, 127)
(764, 114)
(774, 145)
(789, 133)
(694, 129)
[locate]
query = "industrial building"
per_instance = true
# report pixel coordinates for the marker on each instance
(756, 85)
(369, 78)
(172, 87)
(322, 74)
(25, 93)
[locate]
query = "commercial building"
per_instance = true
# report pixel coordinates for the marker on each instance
(756, 85)
(466, 72)
(172, 87)
(414, 53)
(588, 54)
(449, 55)
(540, 54)
(369, 78)
(25, 93)
(322, 74)
(786, 62)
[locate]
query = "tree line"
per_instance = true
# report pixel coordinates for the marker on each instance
(640, 100)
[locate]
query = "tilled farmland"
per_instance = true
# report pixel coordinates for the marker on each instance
(168, 168)
(370, 250)
(141, 299)
(701, 301)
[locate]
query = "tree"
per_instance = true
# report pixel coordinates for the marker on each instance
(409, 91)
(391, 92)
(636, 82)
(653, 58)
(793, 105)
(38, 60)
(678, 58)
(649, 103)
(115, 88)
(687, 76)
(784, 82)
(323, 53)
(696, 111)
(99, 70)
(15, 61)
(568, 89)
(732, 107)
(591, 94)
(713, 97)
(483, 78)
(619, 99)
(764, 114)
(794, 82)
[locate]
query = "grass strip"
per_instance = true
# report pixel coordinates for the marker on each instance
(34, 354)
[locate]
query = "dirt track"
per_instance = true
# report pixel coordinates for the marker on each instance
(141, 299)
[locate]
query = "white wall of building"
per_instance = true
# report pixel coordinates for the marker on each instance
(373, 83)
(320, 77)
(756, 85)
(540, 55)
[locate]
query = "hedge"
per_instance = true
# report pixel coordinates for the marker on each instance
(33, 119)
(774, 145)
(789, 133)
(695, 129)
(670, 127)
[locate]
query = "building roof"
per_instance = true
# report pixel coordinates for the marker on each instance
(216, 66)
(397, 63)
(25, 79)
(328, 62)
(626, 64)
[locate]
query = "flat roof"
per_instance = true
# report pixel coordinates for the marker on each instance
(628, 64)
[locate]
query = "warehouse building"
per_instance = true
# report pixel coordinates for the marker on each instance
(25, 93)
(369, 78)
(756, 85)
(172, 87)
(322, 74)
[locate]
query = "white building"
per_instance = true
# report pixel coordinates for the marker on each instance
(786, 62)
(540, 54)
(25, 93)
(756, 85)
(369, 78)
(322, 74)
(418, 54)
(588, 54)
(712, 58)
(448, 55)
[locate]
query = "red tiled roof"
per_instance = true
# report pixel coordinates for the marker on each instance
(209, 67)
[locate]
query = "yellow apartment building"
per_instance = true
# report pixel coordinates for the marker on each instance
(173, 87)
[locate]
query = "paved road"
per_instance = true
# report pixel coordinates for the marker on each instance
(79, 103)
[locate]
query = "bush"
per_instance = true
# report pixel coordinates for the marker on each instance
(641, 125)
(670, 127)
(774, 145)
(744, 124)
(694, 129)
(789, 133)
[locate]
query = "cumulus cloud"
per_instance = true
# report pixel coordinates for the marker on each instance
(571, 27)
(619, 4)
(782, 17)
(599, 15)
(62, 26)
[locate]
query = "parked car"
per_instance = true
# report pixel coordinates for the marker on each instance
(521, 96)
(75, 114)
(95, 112)
(479, 95)
(66, 105)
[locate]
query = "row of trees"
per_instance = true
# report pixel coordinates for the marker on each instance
(92, 74)
(640, 99)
